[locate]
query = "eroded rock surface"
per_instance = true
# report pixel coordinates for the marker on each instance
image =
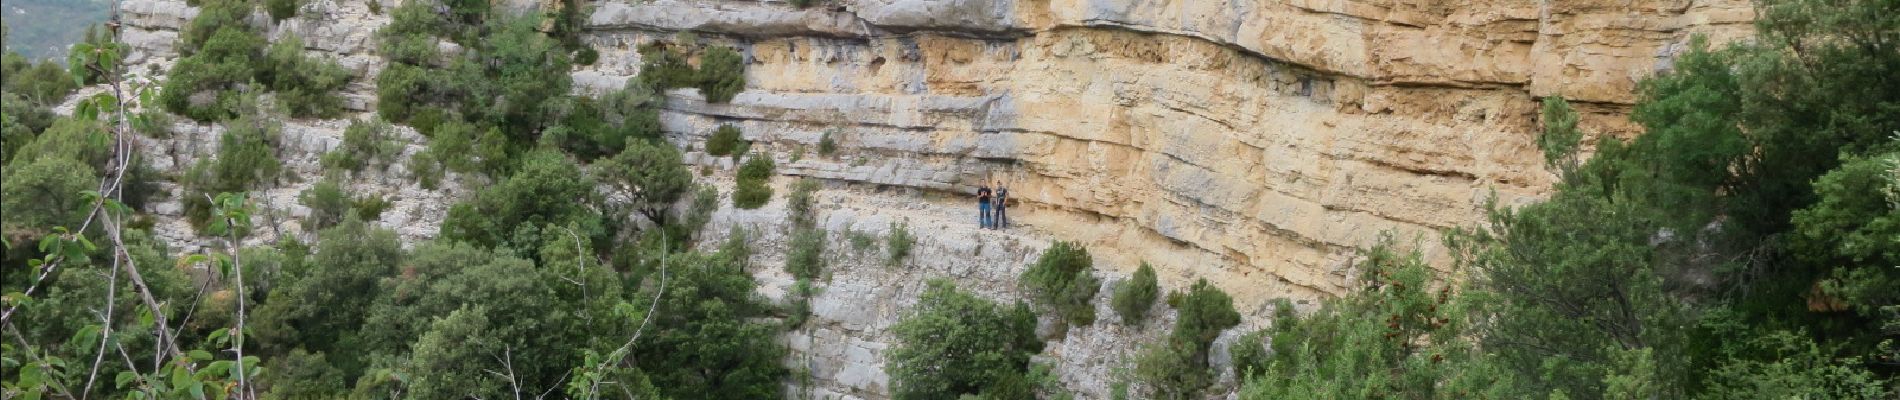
(1253, 143)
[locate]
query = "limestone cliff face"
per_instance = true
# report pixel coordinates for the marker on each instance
(1254, 143)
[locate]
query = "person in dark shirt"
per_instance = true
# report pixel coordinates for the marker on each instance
(983, 207)
(1002, 206)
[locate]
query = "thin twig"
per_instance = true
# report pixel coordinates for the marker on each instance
(593, 390)
(105, 335)
(28, 349)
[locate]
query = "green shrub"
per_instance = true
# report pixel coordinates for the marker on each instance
(370, 208)
(1203, 311)
(897, 245)
(308, 86)
(214, 16)
(153, 123)
(805, 256)
(1063, 281)
(426, 169)
(861, 241)
(798, 203)
(453, 146)
(803, 3)
(652, 177)
(400, 90)
(1171, 371)
(757, 168)
(70, 138)
(204, 85)
(1177, 367)
(45, 193)
(826, 145)
(1134, 297)
(282, 9)
(370, 142)
(43, 85)
(751, 196)
(1398, 333)
(955, 343)
(724, 141)
(1250, 354)
(710, 338)
(586, 56)
(634, 110)
(721, 74)
(327, 202)
(663, 68)
(548, 189)
(410, 37)
(800, 307)
(753, 189)
(247, 158)
(303, 375)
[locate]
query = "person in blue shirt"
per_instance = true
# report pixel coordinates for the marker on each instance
(983, 198)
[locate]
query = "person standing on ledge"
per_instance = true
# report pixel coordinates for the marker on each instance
(1002, 206)
(983, 206)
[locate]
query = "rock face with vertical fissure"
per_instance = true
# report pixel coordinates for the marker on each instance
(1254, 143)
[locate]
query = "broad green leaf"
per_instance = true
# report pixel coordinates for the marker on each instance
(87, 336)
(125, 378)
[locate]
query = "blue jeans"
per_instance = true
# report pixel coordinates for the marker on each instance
(983, 220)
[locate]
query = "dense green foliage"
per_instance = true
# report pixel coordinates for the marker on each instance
(898, 243)
(955, 343)
(39, 84)
(246, 159)
(651, 176)
(366, 143)
(1177, 368)
(549, 191)
(329, 204)
(282, 9)
(1134, 297)
(664, 67)
(307, 86)
(1063, 281)
(804, 256)
(827, 145)
(1401, 336)
(204, 85)
(224, 55)
(725, 141)
(754, 180)
(1742, 248)
(537, 284)
(721, 74)
(44, 193)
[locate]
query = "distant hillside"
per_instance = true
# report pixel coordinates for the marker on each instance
(43, 29)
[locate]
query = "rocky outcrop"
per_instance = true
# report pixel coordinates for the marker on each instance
(340, 30)
(1252, 143)
(1255, 144)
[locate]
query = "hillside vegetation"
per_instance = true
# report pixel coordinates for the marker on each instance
(1746, 246)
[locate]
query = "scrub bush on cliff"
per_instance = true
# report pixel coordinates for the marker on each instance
(956, 344)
